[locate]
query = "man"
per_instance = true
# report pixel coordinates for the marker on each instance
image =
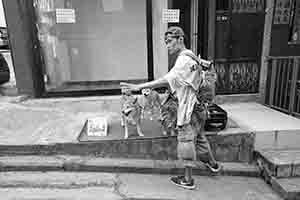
(184, 79)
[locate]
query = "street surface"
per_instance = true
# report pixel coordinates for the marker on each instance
(109, 186)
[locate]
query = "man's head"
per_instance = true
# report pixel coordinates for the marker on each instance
(174, 39)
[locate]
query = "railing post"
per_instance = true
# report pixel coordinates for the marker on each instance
(293, 84)
(273, 78)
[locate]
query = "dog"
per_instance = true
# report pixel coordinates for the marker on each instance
(130, 113)
(150, 102)
(168, 114)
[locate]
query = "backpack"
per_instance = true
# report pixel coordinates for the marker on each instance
(216, 118)
(206, 91)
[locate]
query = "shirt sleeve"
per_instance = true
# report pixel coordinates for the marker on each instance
(184, 73)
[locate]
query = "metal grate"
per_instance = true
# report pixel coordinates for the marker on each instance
(284, 84)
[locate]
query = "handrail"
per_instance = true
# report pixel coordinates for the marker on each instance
(235, 60)
(281, 57)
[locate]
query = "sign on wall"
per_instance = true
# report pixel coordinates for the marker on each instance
(170, 15)
(282, 11)
(65, 15)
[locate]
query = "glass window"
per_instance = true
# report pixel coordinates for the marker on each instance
(295, 23)
(94, 43)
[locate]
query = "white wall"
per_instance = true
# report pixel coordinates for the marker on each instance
(2, 16)
(160, 53)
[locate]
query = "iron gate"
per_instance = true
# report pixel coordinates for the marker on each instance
(283, 84)
(238, 41)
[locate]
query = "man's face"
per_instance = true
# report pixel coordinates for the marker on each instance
(172, 43)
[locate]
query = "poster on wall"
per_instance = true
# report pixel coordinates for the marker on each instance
(65, 15)
(170, 15)
(282, 11)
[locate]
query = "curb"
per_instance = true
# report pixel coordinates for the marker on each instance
(114, 165)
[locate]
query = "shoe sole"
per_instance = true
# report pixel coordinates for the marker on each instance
(183, 186)
(212, 169)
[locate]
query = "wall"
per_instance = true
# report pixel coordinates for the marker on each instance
(160, 53)
(18, 15)
(280, 44)
(2, 16)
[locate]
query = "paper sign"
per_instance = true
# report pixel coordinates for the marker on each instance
(170, 15)
(282, 11)
(97, 126)
(65, 15)
(112, 5)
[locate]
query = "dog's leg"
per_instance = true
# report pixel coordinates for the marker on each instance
(173, 133)
(143, 112)
(139, 129)
(164, 132)
(122, 120)
(126, 129)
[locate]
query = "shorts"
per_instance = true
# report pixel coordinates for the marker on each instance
(191, 139)
(186, 149)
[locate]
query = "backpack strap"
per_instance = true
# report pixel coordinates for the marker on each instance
(191, 55)
(205, 64)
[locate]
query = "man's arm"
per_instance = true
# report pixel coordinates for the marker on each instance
(161, 82)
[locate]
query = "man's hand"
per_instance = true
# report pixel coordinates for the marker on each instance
(129, 86)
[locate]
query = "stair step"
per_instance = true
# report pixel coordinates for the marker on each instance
(288, 188)
(113, 165)
(280, 163)
(227, 147)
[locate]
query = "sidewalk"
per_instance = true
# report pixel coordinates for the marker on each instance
(92, 186)
(46, 126)
(49, 121)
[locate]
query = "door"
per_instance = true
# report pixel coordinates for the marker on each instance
(239, 26)
(184, 22)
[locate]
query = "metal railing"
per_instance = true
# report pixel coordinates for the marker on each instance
(283, 84)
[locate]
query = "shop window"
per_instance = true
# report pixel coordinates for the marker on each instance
(295, 23)
(92, 45)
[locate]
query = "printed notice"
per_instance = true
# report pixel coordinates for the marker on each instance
(282, 11)
(170, 15)
(97, 126)
(65, 15)
(112, 5)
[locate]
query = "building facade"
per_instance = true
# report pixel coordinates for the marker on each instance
(280, 83)
(71, 47)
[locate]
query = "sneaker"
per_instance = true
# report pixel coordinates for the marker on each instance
(216, 168)
(180, 181)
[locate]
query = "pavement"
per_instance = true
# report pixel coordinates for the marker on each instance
(120, 186)
(26, 121)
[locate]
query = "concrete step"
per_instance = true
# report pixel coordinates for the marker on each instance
(113, 165)
(279, 163)
(288, 188)
(227, 147)
(281, 169)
